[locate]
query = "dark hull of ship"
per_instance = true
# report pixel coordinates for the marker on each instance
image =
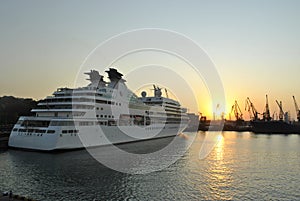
(275, 127)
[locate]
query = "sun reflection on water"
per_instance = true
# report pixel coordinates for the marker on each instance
(219, 148)
(220, 172)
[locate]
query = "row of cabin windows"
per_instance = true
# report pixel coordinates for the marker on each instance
(154, 128)
(62, 123)
(74, 114)
(86, 107)
(35, 123)
(107, 102)
(108, 123)
(91, 123)
(33, 130)
(58, 99)
(71, 123)
(173, 110)
(104, 116)
(61, 135)
(101, 123)
(163, 113)
(86, 94)
(78, 94)
(79, 100)
(30, 134)
(69, 131)
(29, 130)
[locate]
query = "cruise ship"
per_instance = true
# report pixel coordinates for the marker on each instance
(101, 113)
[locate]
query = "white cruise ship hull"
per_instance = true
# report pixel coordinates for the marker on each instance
(88, 137)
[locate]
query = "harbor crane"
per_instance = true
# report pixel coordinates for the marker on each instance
(297, 109)
(266, 114)
(237, 112)
(249, 106)
(281, 112)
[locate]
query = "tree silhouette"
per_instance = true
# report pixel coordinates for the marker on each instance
(11, 108)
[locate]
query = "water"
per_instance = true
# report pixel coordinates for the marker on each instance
(241, 166)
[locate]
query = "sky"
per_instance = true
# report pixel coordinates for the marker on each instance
(254, 44)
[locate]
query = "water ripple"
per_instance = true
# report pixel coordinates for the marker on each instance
(241, 167)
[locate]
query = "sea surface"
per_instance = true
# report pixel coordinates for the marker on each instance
(242, 166)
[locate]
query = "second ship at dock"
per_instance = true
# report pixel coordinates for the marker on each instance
(264, 125)
(99, 114)
(267, 125)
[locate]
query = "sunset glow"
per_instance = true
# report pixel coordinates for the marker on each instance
(254, 55)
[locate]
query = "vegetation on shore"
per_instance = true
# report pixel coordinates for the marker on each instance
(11, 108)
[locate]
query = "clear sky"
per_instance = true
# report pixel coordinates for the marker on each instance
(254, 44)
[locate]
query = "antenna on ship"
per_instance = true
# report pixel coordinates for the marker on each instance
(166, 91)
(157, 91)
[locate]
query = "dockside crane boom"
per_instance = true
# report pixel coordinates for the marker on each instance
(266, 114)
(281, 112)
(297, 109)
(237, 111)
(249, 106)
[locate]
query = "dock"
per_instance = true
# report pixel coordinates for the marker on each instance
(224, 125)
